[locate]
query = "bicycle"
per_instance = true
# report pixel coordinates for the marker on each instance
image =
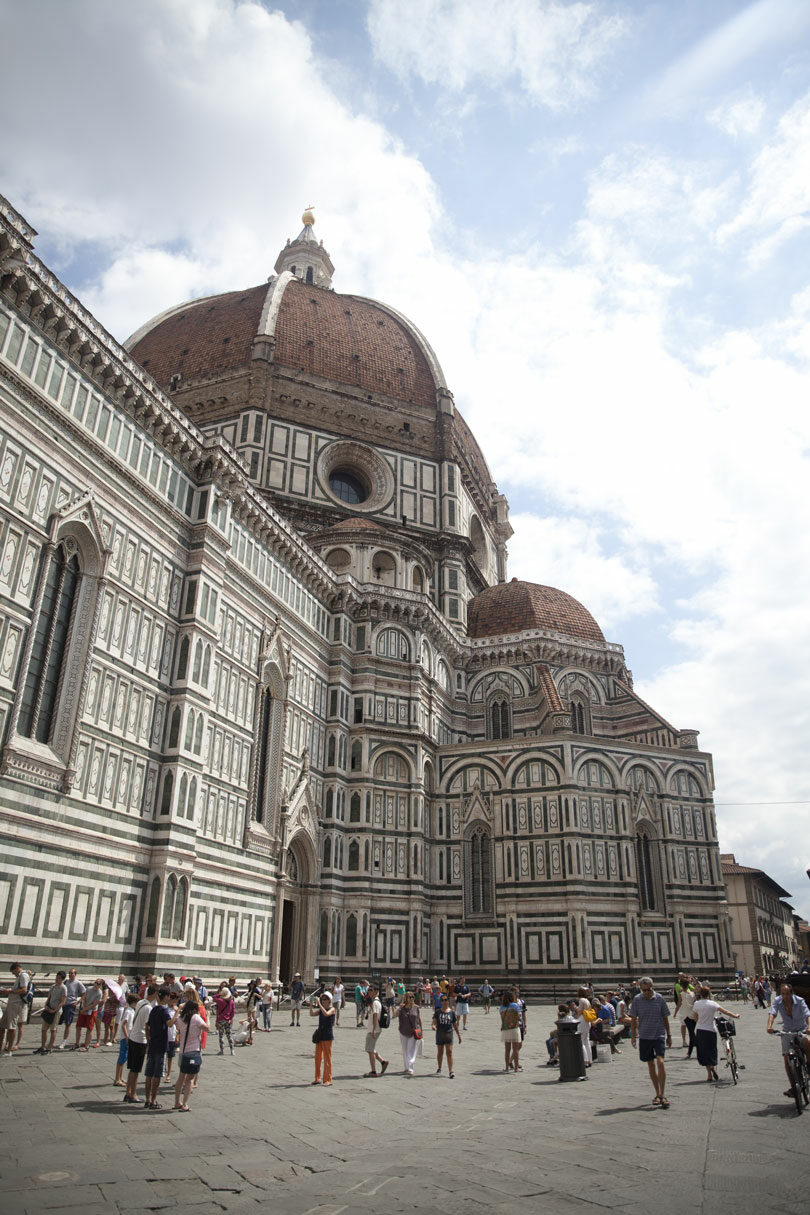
(727, 1031)
(797, 1069)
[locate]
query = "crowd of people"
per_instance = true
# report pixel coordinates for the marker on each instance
(156, 1022)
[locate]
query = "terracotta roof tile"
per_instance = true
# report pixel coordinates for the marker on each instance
(514, 607)
(204, 339)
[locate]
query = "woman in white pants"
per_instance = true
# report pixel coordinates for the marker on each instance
(410, 1024)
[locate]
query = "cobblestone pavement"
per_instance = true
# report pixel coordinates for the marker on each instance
(259, 1132)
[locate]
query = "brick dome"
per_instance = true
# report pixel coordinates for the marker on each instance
(342, 338)
(515, 607)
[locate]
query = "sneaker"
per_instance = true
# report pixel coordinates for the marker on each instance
(438, 1071)
(452, 1075)
(292, 1023)
(61, 1046)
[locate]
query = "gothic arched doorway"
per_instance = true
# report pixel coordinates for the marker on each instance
(296, 912)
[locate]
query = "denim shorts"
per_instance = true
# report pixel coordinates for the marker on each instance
(648, 1048)
(154, 1064)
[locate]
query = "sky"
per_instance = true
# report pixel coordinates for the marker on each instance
(599, 215)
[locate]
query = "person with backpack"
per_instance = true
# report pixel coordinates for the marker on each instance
(378, 1014)
(510, 1032)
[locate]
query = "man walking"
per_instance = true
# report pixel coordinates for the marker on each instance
(649, 1025)
(374, 1012)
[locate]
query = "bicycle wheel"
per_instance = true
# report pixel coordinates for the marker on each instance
(804, 1080)
(732, 1061)
(795, 1081)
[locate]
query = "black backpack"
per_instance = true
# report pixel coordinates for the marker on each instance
(384, 1019)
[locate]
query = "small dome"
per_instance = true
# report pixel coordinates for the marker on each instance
(515, 607)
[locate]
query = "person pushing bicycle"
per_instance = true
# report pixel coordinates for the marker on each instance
(795, 1017)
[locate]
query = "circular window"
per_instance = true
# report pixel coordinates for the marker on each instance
(356, 476)
(347, 486)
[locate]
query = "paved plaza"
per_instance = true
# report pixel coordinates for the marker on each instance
(260, 1135)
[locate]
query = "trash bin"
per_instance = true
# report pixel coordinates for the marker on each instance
(603, 1052)
(569, 1047)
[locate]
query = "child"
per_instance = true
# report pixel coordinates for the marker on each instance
(244, 1035)
(171, 1046)
(123, 1046)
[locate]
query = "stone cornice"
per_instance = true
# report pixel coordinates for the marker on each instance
(62, 319)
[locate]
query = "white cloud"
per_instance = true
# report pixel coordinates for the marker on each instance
(741, 117)
(777, 202)
(552, 52)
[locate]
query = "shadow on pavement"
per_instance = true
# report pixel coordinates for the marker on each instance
(774, 1111)
(623, 1109)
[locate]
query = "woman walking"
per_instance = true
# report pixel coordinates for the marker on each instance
(324, 1036)
(444, 1022)
(266, 1006)
(190, 1030)
(410, 1031)
(684, 1011)
(225, 1009)
(706, 1009)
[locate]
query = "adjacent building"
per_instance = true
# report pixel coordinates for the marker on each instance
(762, 928)
(268, 698)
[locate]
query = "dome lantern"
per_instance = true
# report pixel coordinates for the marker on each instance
(305, 257)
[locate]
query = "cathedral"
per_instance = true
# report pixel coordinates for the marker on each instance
(269, 700)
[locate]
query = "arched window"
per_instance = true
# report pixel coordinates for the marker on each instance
(579, 719)
(198, 732)
(182, 661)
(415, 860)
(154, 904)
(189, 731)
(168, 789)
(367, 856)
(327, 853)
(499, 718)
(174, 729)
(191, 804)
(168, 906)
(354, 856)
(323, 937)
(647, 870)
(270, 711)
(391, 643)
(357, 756)
(38, 703)
(181, 796)
(206, 665)
(180, 901)
(197, 671)
(330, 802)
(354, 808)
(309, 274)
(351, 935)
(478, 872)
(330, 752)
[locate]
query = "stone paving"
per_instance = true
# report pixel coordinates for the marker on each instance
(260, 1134)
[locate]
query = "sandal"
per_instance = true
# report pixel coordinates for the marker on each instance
(368, 1075)
(664, 1103)
(656, 1100)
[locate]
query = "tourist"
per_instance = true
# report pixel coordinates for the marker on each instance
(649, 1026)
(171, 1031)
(75, 991)
(109, 1012)
(157, 1038)
(445, 1022)
(463, 1001)
(14, 1013)
(88, 1012)
(510, 1031)
(585, 1016)
(487, 992)
(123, 1046)
(684, 1011)
(794, 1014)
(296, 1000)
(705, 1010)
(522, 1024)
(360, 992)
(191, 1027)
(266, 1007)
(137, 1043)
(373, 1033)
(54, 1003)
(410, 1032)
(250, 1006)
(322, 1008)
(225, 1010)
(337, 998)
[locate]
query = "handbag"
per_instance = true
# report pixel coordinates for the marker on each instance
(417, 1032)
(316, 1034)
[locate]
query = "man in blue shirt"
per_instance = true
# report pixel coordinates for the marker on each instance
(649, 1026)
(795, 1016)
